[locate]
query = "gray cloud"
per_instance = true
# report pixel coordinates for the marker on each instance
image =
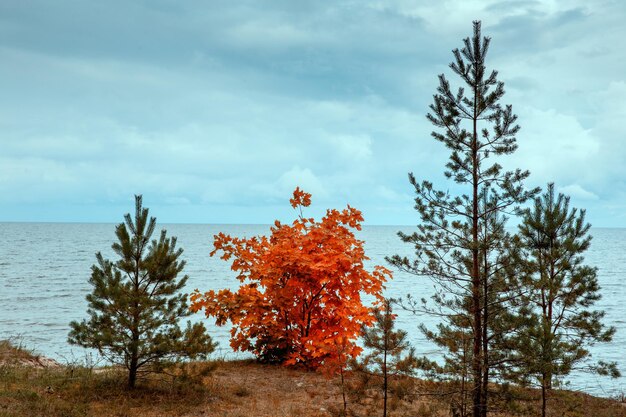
(216, 110)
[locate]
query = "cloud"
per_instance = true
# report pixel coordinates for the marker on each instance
(232, 105)
(578, 192)
(554, 147)
(303, 178)
(351, 147)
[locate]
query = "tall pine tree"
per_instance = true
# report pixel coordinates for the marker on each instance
(455, 243)
(136, 303)
(560, 291)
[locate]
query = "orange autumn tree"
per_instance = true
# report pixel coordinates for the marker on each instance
(301, 288)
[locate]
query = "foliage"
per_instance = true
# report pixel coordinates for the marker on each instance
(459, 242)
(136, 305)
(386, 347)
(301, 287)
(560, 291)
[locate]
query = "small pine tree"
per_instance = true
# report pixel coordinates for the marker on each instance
(386, 346)
(560, 293)
(136, 304)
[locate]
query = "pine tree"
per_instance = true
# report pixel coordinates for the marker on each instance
(136, 305)
(560, 291)
(455, 243)
(455, 334)
(387, 347)
(453, 303)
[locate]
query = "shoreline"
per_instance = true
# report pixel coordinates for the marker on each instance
(241, 387)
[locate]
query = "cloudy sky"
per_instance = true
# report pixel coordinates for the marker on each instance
(215, 111)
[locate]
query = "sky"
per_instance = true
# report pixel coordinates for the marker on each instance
(215, 111)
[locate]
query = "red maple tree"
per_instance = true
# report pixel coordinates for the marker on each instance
(301, 288)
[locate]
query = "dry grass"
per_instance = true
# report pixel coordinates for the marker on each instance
(233, 389)
(251, 389)
(12, 353)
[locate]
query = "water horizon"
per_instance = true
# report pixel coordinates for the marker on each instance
(45, 267)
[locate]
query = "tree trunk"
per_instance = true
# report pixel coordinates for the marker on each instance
(463, 380)
(134, 347)
(385, 380)
(343, 392)
(132, 372)
(543, 396)
(134, 360)
(485, 378)
(477, 395)
(485, 331)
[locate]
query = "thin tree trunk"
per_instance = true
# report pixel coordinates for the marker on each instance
(385, 380)
(543, 396)
(476, 289)
(134, 347)
(551, 332)
(464, 379)
(485, 368)
(485, 332)
(343, 392)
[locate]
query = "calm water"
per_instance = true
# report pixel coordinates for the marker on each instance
(44, 268)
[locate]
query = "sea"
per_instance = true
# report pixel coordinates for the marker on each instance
(45, 267)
